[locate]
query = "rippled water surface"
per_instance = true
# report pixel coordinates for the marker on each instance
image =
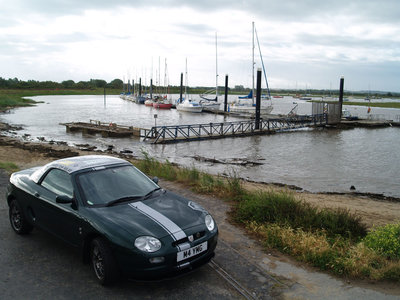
(316, 160)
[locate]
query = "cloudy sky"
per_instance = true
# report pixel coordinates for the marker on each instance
(304, 43)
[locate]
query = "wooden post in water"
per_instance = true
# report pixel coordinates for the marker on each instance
(104, 96)
(140, 87)
(226, 93)
(341, 97)
(258, 99)
(181, 90)
(151, 88)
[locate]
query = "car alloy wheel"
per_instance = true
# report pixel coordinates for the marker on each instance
(18, 222)
(16, 218)
(98, 263)
(103, 262)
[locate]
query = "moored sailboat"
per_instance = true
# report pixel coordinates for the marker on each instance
(208, 102)
(249, 107)
(187, 104)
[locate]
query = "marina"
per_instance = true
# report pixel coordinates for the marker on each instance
(314, 158)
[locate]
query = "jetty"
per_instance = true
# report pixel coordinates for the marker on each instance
(193, 132)
(206, 131)
(105, 129)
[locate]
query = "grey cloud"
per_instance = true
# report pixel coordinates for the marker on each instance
(347, 41)
(193, 29)
(386, 11)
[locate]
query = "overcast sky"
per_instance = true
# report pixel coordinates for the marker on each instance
(304, 43)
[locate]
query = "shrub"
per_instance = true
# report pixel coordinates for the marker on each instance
(284, 209)
(234, 188)
(385, 240)
(209, 184)
(338, 255)
(188, 175)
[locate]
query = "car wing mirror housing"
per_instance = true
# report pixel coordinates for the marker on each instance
(63, 199)
(155, 179)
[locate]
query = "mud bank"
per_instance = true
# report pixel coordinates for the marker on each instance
(372, 208)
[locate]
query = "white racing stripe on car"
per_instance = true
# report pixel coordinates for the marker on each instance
(174, 230)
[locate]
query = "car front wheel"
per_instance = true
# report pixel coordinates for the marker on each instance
(103, 262)
(17, 219)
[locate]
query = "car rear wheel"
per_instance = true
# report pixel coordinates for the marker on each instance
(17, 219)
(103, 262)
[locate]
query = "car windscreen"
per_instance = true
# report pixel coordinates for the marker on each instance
(99, 187)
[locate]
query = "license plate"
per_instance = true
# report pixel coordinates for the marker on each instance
(185, 254)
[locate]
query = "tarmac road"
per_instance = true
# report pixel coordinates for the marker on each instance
(39, 266)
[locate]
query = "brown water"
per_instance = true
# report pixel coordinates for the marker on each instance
(316, 160)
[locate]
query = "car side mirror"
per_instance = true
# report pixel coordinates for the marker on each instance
(64, 199)
(155, 179)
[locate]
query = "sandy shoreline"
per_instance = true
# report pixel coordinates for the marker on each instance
(373, 209)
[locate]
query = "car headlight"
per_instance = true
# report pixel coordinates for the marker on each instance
(209, 222)
(147, 244)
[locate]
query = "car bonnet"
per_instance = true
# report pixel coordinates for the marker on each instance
(159, 216)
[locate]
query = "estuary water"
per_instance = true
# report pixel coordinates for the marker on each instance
(318, 160)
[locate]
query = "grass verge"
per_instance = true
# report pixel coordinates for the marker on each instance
(373, 104)
(13, 98)
(333, 240)
(9, 167)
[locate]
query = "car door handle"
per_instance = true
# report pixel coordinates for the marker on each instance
(36, 194)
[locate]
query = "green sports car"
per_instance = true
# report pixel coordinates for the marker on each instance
(122, 221)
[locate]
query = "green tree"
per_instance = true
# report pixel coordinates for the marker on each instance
(68, 84)
(83, 85)
(98, 83)
(115, 84)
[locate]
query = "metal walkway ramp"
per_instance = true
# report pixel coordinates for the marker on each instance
(192, 132)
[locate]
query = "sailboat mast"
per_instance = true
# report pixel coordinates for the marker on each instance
(216, 68)
(165, 76)
(252, 65)
(262, 63)
(186, 79)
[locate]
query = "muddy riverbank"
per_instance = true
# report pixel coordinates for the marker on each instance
(374, 209)
(294, 279)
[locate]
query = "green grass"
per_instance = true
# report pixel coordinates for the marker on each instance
(282, 208)
(385, 240)
(340, 256)
(329, 239)
(14, 98)
(10, 100)
(366, 103)
(384, 104)
(9, 167)
(201, 182)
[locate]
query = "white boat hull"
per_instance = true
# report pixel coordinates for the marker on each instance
(211, 106)
(250, 109)
(189, 107)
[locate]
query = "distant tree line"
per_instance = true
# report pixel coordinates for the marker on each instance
(15, 83)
